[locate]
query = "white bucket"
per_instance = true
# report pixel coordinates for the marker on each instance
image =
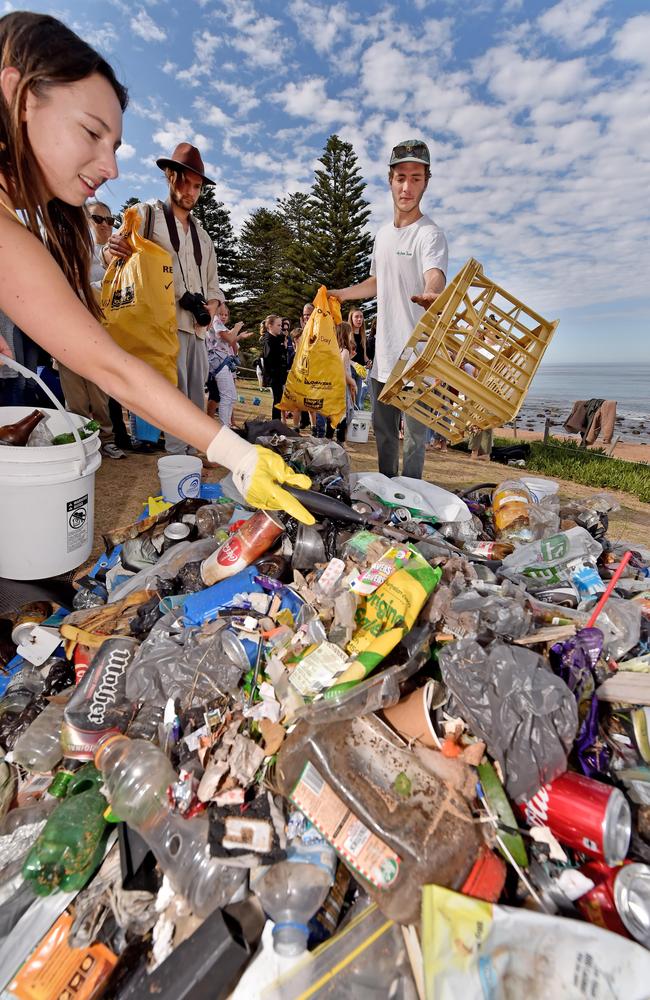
(359, 426)
(180, 476)
(540, 488)
(47, 496)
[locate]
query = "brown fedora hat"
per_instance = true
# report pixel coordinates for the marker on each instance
(185, 157)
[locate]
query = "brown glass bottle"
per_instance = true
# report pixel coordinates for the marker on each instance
(18, 434)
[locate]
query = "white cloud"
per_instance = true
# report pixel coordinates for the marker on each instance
(102, 36)
(126, 151)
(322, 26)
(173, 132)
(309, 99)
(255, 35)
(522, 81)
(143, 25)
(211, 114)
(242, 98)
(632, 42)
(575, 22)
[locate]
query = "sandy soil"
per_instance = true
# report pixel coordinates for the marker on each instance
(123, 486)
(630, 452)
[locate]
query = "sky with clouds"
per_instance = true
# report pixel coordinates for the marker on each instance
(537, 115)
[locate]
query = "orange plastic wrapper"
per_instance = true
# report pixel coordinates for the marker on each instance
(55, 970)
(316, 381)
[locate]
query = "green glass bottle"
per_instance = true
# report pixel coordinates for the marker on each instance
(71, 844)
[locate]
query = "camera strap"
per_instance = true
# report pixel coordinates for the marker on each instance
(174, 239)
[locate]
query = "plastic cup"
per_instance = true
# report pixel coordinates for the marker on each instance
(180, 477)
(411, 716)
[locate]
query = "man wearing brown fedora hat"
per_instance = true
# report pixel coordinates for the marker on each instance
(171, 225)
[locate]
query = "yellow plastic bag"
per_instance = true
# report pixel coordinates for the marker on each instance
(138, 301)
(316, 381)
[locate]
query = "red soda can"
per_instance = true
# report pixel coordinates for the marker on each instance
(620, 899)
(253, 539)
(583, 814)
(598, 905)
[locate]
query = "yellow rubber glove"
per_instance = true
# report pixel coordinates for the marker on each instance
(258, 474)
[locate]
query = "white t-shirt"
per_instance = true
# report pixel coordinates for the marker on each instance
(399, 259)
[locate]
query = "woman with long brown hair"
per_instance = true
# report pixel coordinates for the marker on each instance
(60, 126)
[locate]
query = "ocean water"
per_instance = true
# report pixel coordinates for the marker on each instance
(556, 387)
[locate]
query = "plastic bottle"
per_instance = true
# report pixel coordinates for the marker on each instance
(17, 434)
(489, 550)
(291, 894)
(511, 504)
(22, 689)
(39, 747)
(71, 845)
(137, 775)
(392, 820)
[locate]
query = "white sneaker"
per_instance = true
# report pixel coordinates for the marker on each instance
(112, 451)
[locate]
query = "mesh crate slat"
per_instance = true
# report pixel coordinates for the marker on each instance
(474, 321)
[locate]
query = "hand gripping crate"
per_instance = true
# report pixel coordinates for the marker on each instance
(473, 322)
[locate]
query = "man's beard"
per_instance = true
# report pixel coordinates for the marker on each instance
(178, 199)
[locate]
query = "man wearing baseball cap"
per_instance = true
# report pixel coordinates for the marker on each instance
(407, 272)
(171, 225)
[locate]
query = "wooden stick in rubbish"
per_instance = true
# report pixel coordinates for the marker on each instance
(610, 586)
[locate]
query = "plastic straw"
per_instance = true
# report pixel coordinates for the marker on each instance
(610, 586)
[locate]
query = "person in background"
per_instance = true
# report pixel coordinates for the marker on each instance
(172, 226)
(275, 359)
(223, 346)
(102, 222)
(345, 338)
(359, 355)
(81, 395)
(53, 84)
(407, 273)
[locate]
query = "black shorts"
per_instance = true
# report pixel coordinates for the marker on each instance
(213, 389)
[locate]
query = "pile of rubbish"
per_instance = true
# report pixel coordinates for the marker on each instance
(403, 752)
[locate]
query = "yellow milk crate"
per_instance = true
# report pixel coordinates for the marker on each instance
(476, 323)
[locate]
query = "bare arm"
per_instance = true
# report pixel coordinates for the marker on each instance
(434, 282)
(37, 297)
(364, 290)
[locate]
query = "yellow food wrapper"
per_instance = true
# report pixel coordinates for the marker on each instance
(138, 301)
(387, 615)
(316, 381)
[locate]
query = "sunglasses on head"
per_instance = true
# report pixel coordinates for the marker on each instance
(417, 149)
(99, 219)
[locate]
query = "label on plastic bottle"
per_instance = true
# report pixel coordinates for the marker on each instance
(350, 838)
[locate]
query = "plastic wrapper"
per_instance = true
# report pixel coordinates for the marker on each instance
(624, 621)
(511, 699)
(366, 959)
(548, 562)
(375, 693)
(473, 613)
(475, 950)
(574, 660)
(167, 566)
(187, 664)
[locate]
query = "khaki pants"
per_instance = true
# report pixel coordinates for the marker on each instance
(86, 398)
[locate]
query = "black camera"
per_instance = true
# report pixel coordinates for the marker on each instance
(194, 303)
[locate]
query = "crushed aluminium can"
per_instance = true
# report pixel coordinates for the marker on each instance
(619, 900)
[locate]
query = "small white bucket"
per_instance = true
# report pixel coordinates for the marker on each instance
(180, 476)
(359, 426)
(47, 495)
(540, 488)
